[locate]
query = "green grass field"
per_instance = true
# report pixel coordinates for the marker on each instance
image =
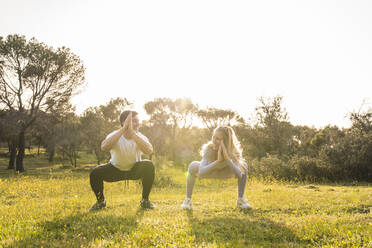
(48, 207)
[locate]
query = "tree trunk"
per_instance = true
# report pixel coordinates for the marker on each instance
(75, 158)
(51, 151)
(38, 146)
(9, 146)
(21, 152)
(13, 153)
(97, 153)
(71, 156)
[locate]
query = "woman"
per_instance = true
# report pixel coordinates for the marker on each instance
(222, 158)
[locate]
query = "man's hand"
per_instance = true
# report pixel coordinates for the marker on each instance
(108, 143)
(127, 128)
(130, 126)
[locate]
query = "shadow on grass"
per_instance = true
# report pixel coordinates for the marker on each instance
(249, 230)
(81, 230)
(57, 173)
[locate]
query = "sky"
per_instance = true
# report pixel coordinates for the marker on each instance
(224, 54)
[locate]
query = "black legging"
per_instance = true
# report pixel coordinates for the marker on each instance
(141, 170)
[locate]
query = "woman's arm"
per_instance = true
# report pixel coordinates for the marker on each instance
(207, 165)
(231, 163)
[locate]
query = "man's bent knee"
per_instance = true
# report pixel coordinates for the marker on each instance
(149, 165)
(94, 174)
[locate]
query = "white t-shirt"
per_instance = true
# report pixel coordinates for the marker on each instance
(125, 153)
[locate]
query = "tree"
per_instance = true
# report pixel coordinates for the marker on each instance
(35, 77)
(98, 122)
(362, 121)
(1, 64)
(303, 136)
(270, 111)
(275, 134)
(9, 127)
(168, 120)
(47, 127)
(328, 136)
(351, 155)
(214, 117)
(68, 137)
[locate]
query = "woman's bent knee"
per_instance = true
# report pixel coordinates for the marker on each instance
(245, 170)
(194, 167)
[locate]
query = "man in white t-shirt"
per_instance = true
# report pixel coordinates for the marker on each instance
(126, 146)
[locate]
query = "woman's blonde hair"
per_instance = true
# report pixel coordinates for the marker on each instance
(232, 144)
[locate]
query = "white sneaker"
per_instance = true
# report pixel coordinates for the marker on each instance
(242, 203)
(187, 204)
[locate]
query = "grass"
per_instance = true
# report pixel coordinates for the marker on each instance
(48, 207)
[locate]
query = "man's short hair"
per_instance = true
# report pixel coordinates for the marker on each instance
(125, 114)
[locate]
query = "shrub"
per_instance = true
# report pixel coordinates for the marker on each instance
(271, 167)
(308, 168)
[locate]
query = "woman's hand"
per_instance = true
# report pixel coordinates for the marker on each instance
(219, 154)
(224, 152)
(220, 159)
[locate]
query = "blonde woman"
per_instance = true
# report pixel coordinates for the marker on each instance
(221, 158)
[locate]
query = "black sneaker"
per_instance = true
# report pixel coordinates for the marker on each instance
(97, 206)
(146, 204)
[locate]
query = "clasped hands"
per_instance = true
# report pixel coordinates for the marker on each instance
(127, 128)
(222, 155)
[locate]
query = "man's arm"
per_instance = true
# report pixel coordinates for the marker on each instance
(109, 142)
(142, 144)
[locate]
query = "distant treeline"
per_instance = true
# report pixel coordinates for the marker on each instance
(37, 82)
(273, 147)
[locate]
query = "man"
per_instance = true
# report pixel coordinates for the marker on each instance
(126, 146)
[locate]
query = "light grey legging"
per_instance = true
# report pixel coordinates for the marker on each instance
(195, 168)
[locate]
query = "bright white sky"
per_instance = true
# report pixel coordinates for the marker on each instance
(226, 54)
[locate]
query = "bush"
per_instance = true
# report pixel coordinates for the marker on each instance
(297, 168)
(271, 167)
(351, 158)
(309, 169)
